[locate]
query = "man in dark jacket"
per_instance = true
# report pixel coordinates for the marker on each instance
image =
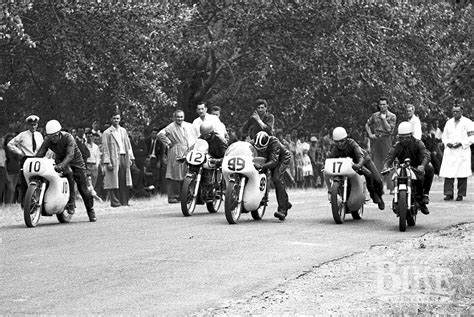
(347, 147)
(409, 147)
(68, 155)
(278, 159)
(261, 120)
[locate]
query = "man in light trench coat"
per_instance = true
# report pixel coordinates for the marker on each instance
(118, 157)
(179, 136)
(458, 135)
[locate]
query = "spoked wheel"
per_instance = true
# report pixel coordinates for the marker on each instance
(64, 217)
(32, 205)
(233, 206)
(357, 215)
(258, 214)
(402, 210)
(338, 207)
(188, 198)
(411, 218)
(217, 193)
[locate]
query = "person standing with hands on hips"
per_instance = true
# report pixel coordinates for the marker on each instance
(458, 135)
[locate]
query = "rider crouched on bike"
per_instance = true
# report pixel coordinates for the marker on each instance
(409, 147)
(278, 159)
(347, 147)
(217, 148)
(67, 153)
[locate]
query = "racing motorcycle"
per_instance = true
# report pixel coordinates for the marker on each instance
(194, 191)
(404, 204)
(246, 188)
(47, 194)
(348, 189)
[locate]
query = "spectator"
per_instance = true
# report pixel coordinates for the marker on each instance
(118, 158)
(414, 121)
(179, 136)
(95, 128)
(201, 110)
(13, 171)
(380, 127)
(81, 141)
(261, 120)
(93, 161)
(154, 150)
(3, 173)
(458, 135)
(216, 110)
(25, 145)
(315, 154)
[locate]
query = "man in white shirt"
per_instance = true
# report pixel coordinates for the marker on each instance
(216, 110)
(25, 145)
(201, 110)
(414, 121)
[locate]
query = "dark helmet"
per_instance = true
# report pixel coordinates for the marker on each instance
(261, 141)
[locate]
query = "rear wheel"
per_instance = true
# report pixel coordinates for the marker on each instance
(233, 207)
(217, 194)
(338, 207)
(402, 210)
(188, 199)
(32, 205)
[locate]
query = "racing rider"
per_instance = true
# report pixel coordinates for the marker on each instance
(409, 147)
(67, 154)
(278, 159)
(347, 147)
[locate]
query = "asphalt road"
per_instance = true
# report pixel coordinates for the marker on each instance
(155, 261)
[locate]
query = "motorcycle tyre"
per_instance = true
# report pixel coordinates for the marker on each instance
(216, 204)
(402, 210)
(357, 215)
(188, 206)
(258, 214)
(232, 191)
(411, 219)
(338, 209)
(64, 217)
(31, 198)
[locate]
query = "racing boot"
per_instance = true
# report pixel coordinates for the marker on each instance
(281, 214)
(424, 209)
(425, 199)
(379, 201)
(70, 209)
(91, 214)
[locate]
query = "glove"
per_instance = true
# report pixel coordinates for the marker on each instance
(450, 145)
(385, 171)
(456, 145)
(356, 167)
(58, 168)
(421, 169)
(257, 166)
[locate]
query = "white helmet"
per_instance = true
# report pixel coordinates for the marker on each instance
(52, 127)
(206, 128)
(405, 128)
(339, 133)
(261, 141)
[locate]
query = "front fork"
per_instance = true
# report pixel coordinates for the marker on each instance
(198, 181)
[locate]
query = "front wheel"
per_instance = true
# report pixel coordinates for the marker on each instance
(258, 214)
(402, 210)
(32, 205)
(217, 194)
(337, 205)
(188, 198)
(233, 205)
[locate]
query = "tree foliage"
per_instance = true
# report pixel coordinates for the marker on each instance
(318, 64)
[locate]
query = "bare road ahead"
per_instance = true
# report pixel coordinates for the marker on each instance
(155, 261)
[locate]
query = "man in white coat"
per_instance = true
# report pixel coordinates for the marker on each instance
(118, 157)
(457, 137)
(179, 136)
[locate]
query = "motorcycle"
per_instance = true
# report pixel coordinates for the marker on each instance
(246, 188)
(193, 191)
(47, 194)
(404, 204)
(348, 189)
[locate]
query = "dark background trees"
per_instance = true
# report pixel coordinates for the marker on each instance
(318, 64)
